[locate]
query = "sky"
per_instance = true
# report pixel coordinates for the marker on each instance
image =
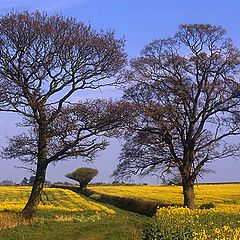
(139, 22)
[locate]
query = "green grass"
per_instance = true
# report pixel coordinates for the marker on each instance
(123, 225)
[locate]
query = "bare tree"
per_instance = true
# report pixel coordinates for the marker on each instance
(44, 61)
(186, 94)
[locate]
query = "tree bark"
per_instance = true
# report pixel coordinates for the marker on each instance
(188, 194)
(30, 209)
(187, 177)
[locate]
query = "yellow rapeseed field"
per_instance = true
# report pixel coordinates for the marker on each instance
(14, 198)
(206, 224)
(219, 194)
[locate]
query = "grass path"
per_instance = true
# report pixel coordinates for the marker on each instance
(123, 225)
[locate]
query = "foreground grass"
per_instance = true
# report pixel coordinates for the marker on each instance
(10, 220)
(123, 225)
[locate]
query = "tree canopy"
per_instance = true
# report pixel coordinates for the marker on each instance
(185, 91)
(83, 176)
(45, 63)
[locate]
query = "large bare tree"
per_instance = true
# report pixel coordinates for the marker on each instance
(186, 94)
(44, 62)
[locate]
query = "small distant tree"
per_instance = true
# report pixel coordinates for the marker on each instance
(24, 182)
(83, 176)
(176, 179)
(6, 183)
(48, 183)
(31, 180)
(58, 183)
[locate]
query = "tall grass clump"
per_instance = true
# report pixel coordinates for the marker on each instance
(10, 220)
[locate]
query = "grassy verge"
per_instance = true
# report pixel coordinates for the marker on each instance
(10, 220)
(122, 225)
(137, 205)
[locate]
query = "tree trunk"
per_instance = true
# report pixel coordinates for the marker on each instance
(30, 209)
(188, 194)
(82, 186)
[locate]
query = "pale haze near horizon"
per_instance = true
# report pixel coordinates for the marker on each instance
(139, 22)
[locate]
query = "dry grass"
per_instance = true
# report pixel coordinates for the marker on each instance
(10, 220)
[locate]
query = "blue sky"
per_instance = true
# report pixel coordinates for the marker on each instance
(139, 21)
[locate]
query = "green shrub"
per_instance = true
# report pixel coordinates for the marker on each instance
(144, 207)
(152, 232)
(95, 196)
(162, 231)
(207, 205)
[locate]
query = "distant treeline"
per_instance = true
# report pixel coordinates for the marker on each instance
(29, 182)
(215, 183)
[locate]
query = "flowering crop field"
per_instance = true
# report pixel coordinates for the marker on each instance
(206, 224)
(219, 194)
(58, 204)
(14, 198)
(64, 214)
